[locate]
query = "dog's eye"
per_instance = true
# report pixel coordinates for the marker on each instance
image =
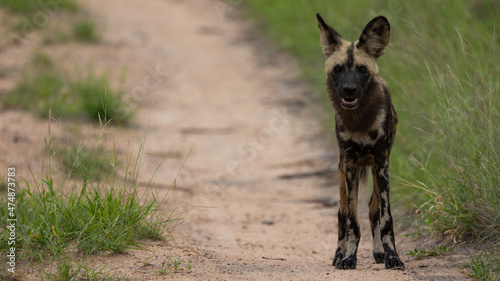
(362, 69)
(337, 69)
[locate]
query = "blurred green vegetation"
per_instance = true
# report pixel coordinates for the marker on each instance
(29, 7)
(85, 31)
(442, 67)
(72, 22)
(49, 88)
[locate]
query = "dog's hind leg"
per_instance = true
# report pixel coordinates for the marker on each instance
(374, 214)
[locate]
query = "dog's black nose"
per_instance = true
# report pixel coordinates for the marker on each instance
(349, 89)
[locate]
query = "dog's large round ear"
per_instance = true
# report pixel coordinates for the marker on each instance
(330, 39)
(375, 36)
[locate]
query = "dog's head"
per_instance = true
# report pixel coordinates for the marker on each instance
(351, 67)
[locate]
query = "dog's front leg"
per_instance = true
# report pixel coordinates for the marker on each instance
(349, 229)
(381, 176)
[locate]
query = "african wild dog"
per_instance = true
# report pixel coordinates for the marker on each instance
(365, 125)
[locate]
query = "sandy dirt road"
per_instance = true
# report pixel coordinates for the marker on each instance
(258, 188)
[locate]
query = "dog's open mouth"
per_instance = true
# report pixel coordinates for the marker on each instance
(350, 102)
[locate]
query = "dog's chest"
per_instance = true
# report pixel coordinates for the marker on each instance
(367, 137)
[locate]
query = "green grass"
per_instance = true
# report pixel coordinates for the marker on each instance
(34, 15)
(91, 163)
(98, 101)
(85, 31)
(173, 266)
(485, 267)
(3, 184)
(38, 15)
(439, 251)
(461, 171)
(47, 88)
(96, 218)
(441, 70)
(110, 215)
(66, 271)
(30, 7)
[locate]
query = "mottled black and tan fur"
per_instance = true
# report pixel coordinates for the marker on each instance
(365, 125)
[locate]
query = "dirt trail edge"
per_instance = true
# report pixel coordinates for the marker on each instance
(258, 189)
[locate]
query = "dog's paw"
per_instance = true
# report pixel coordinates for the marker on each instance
(379, 257)
(347, 263)
(393, 262)
(337, 259)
